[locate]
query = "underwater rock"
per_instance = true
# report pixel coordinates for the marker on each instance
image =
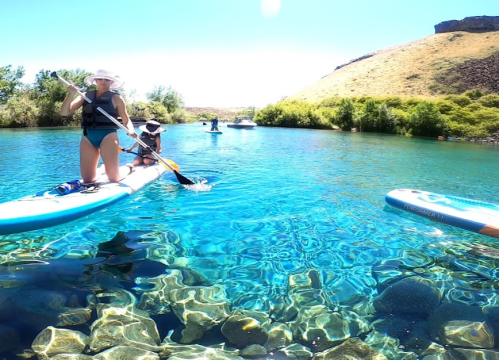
(391, 347)
(52, 341)
(72, 357)
(7, 306)
(320, 328)
(205, 353)
(199, 308)
(127, 326)
(244, 328)
(73, 316)
(253, 351)
(492, 313)
(418, 339)
(350, 349)
(410, 296)
(9, 338)
(155, 297)
(296, 352)
(279, 335)
(478, 354)
(126, 353)
(461, 325)
(304, 289)
(194, 351)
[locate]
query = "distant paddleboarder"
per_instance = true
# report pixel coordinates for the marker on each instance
(214, 124)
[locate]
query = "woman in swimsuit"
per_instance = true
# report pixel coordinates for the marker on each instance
(99, 133)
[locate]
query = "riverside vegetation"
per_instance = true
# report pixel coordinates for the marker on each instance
(39, 104)
(474, 114)
(445, 84)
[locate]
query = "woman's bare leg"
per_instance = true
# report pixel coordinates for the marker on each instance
(137, 160)
(148, 159)
(109, 151)
(89, 158)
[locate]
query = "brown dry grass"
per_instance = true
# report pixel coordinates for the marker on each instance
(406, 70)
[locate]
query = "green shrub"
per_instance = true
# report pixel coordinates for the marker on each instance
(393, 102)
(21, 112)
(446, 106)
(460, 100)
(345, 114)
(474, 94)
(367, 116)
(426, 120)
(491, 100)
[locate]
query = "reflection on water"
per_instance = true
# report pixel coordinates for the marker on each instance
(293, 250)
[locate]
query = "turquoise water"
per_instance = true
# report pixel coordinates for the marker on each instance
(284, 201)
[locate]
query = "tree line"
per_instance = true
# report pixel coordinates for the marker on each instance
(474, 114)
(39, 104)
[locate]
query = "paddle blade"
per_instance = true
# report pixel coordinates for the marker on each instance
(182, 179)
(172, 164)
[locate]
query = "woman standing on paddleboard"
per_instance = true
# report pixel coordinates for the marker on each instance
(99, 133)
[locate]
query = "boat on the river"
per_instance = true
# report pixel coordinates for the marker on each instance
(243, 122)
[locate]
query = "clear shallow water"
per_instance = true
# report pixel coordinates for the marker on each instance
(284, 201)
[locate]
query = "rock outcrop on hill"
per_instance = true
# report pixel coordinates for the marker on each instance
(469, 24)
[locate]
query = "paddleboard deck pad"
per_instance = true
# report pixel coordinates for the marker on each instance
(472, 215)
(49, 208)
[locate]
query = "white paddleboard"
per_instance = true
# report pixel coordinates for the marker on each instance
(49, 208)
(469, 214)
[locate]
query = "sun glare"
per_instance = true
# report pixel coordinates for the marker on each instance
(270, 8)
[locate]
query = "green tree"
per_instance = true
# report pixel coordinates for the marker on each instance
(250, 111)
(426, 120)
(10, 81)
(345, 114)
(367, 116)
(169, 98)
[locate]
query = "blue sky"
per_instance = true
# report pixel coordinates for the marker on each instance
(218, 53)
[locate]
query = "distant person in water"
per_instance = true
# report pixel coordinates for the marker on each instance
(99, 132)
(151, 136)
(214, 124)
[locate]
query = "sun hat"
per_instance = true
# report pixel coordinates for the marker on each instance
(104, 74)
(152, 127)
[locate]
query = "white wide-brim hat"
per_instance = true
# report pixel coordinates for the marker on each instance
(104, 74)
(152, 127)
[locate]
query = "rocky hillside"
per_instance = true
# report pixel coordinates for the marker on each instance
(461, 55)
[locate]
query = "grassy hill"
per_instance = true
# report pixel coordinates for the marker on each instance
(444, 63)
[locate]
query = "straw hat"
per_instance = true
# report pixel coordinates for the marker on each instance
(104, 74)
(152, 127)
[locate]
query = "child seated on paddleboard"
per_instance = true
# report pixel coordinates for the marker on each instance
(151, 136)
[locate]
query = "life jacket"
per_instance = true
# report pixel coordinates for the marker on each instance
(93, 118)
(149, 140)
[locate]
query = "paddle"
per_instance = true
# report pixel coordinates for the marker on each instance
(181, 179)
(172, 164)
